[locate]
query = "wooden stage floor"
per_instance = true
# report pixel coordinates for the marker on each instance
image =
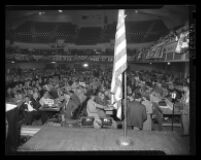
(88, 139)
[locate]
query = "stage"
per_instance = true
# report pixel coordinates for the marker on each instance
(88, 139)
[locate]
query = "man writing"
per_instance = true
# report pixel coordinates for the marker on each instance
(93, 111)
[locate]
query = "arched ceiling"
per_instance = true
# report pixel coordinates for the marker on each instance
(147, 25)
(171, 15)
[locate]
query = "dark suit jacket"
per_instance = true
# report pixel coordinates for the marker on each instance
(71, 107)
(13, 137)
(136, 114)
(35, 103)
(75, 99)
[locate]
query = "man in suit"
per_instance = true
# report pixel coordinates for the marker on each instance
(28, 111)
(31, 106)
(35, 101)
(72, 106)
(37, 114)
(13, 118)
(136, 114)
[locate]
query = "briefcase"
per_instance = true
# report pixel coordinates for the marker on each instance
(87, 121)
(106, 122)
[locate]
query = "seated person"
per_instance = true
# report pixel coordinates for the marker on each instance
(18, 98)
(158, 88)
(36, 105)
(100, 98)
(28, 108)
(155, 96)
(93, 110)
(35, 101)
(45, 99)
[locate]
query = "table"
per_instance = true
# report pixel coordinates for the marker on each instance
(168, 111)
(109, 111)
(56, 109)
(53, 109)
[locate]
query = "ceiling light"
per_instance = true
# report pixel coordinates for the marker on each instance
(53, 62)
(60, 11)
(41, 13)
(12, 61)
(85, 65)
(168, 63)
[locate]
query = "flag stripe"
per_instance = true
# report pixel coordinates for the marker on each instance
(120, 46)
(117, 83)
(120, 32)
(120, 62)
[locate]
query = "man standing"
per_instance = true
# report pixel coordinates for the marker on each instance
(72, 105)
(147, 124)
(136, 114)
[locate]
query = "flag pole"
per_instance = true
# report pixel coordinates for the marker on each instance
(125, 140)
(125, 104)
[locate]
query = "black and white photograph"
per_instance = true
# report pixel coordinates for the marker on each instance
(100, 79)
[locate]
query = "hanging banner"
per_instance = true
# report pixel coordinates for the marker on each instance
(183, 42)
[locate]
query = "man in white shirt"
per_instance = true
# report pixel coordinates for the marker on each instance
(92, 107)
(93, 111)
(29, 111)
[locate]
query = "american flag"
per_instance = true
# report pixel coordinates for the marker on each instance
(119, 64)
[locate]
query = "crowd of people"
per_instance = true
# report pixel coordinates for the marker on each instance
(89, 93)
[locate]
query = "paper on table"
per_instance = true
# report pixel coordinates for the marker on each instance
(169, 105)
(10, 106)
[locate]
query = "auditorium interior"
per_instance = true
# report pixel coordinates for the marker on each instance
(64, 91)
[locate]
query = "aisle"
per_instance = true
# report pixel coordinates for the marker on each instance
(89, 139)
